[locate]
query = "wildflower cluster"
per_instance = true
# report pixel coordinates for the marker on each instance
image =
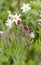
(15, 18)
(19, 36)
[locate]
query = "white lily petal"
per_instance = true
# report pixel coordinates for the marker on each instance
(1, 32)
(24, 4)
(8, 24)
(9, 12)
(39, 23)
(32, 35)
(19, 15)
(39, 20)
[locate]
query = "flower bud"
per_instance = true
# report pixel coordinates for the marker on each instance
(25, 27)
(30, 31)
(18, 22)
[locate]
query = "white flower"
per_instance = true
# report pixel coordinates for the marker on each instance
(32, 35)
(39, 20)
(9, 12)
(9, 20)
(25, 8)
(39, 23)
(16, 17)
(1, 32)
(9, 24)
(10, 17)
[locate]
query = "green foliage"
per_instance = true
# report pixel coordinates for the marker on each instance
(15, 47)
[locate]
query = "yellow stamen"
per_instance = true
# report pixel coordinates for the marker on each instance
(15, 18)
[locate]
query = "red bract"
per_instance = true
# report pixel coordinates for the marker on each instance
(25, 27)
(30, 31)
(18, 22)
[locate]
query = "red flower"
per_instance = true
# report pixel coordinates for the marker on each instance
(30, 31)
(25, 27)
(18, 22)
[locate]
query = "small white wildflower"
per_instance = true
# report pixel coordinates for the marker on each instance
(39, 23)
(25, 8)
(9, 24)
(32, 35)
(10, 17)
(1, 32)
(9, 12)
(9, 20)
(16, 17)
(39, 20)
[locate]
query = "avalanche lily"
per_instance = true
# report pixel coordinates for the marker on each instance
(25, 8)
(16, 17)
(39, 21)
(10, 17)
(1, 32)
(8, 23)
(9, 20)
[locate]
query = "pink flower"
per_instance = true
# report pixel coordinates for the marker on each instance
(18, 22)
(25, 27)
(30, 31)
